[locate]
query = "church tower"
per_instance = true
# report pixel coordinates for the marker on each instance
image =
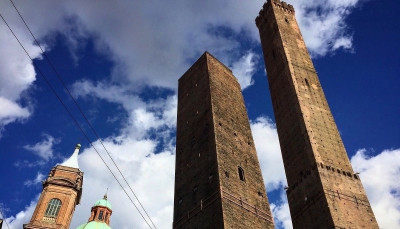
(324, 191)
(218, 181)
(62, 191)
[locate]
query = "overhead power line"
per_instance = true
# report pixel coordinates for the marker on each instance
(87, 138)
(2, 215)
(79, 108)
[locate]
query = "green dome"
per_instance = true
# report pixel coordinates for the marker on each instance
(94, 225)
(103, 202)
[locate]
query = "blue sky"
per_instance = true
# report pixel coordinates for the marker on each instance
(121, 62)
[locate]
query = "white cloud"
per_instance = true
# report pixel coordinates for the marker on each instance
(39, 177)
(16, 73)
(269, 153)
(150, 175)
(29, 164)
(244, 69)
(267, 145)
(281, 213)
(143, 116)
(323, 24)
(22, 217)
(153, 44)
(43, 149)
(11, 111)
(380, 175)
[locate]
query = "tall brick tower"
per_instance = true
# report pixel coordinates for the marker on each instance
(62, 191)
(324, 191)
(218, 181)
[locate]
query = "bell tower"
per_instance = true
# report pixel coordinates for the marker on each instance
(62, 191)
(324, 191)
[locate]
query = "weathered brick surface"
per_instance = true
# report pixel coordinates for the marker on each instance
(323, 190)
(65, 184)
(213, 140)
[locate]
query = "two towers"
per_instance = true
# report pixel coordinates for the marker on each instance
(218, 181)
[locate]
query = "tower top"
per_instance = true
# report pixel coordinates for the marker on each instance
(103, 202)
(73, 160)
(277, 4)
(100, 217)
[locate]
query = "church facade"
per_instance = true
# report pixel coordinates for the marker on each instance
(62, 191)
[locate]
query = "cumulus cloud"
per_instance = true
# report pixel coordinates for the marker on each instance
(323, 24)
(39, 177)
(244, 70)
(149, 174)
(11, 111)
(153, 44)
(380, 175)
(16, 75)
(43, 149)
(269, 153)
(281, 213)
(148, 169)
(22, 217)
(28, 164)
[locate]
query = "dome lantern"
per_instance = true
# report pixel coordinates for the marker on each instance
(100, 215)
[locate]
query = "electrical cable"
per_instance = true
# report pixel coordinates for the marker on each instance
(59, 99)
(2, 214)
(80, 110)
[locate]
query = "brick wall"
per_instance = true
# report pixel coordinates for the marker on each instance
(214, 143)
(317, 167)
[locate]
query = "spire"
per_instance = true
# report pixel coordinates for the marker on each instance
(105, 195)
(73, 160)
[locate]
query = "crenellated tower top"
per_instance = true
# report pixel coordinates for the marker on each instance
(278, 4)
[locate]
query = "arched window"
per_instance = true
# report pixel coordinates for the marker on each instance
(241, 174)
(101, 215)
(53, 208)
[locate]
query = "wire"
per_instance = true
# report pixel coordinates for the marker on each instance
(55, 93)
(2, 214)
(73, 99)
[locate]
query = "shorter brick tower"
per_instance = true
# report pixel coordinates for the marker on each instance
(62, 191)
(218, 181)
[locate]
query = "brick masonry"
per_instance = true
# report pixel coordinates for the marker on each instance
(214, 142)
(65, 184)
(324, 191)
